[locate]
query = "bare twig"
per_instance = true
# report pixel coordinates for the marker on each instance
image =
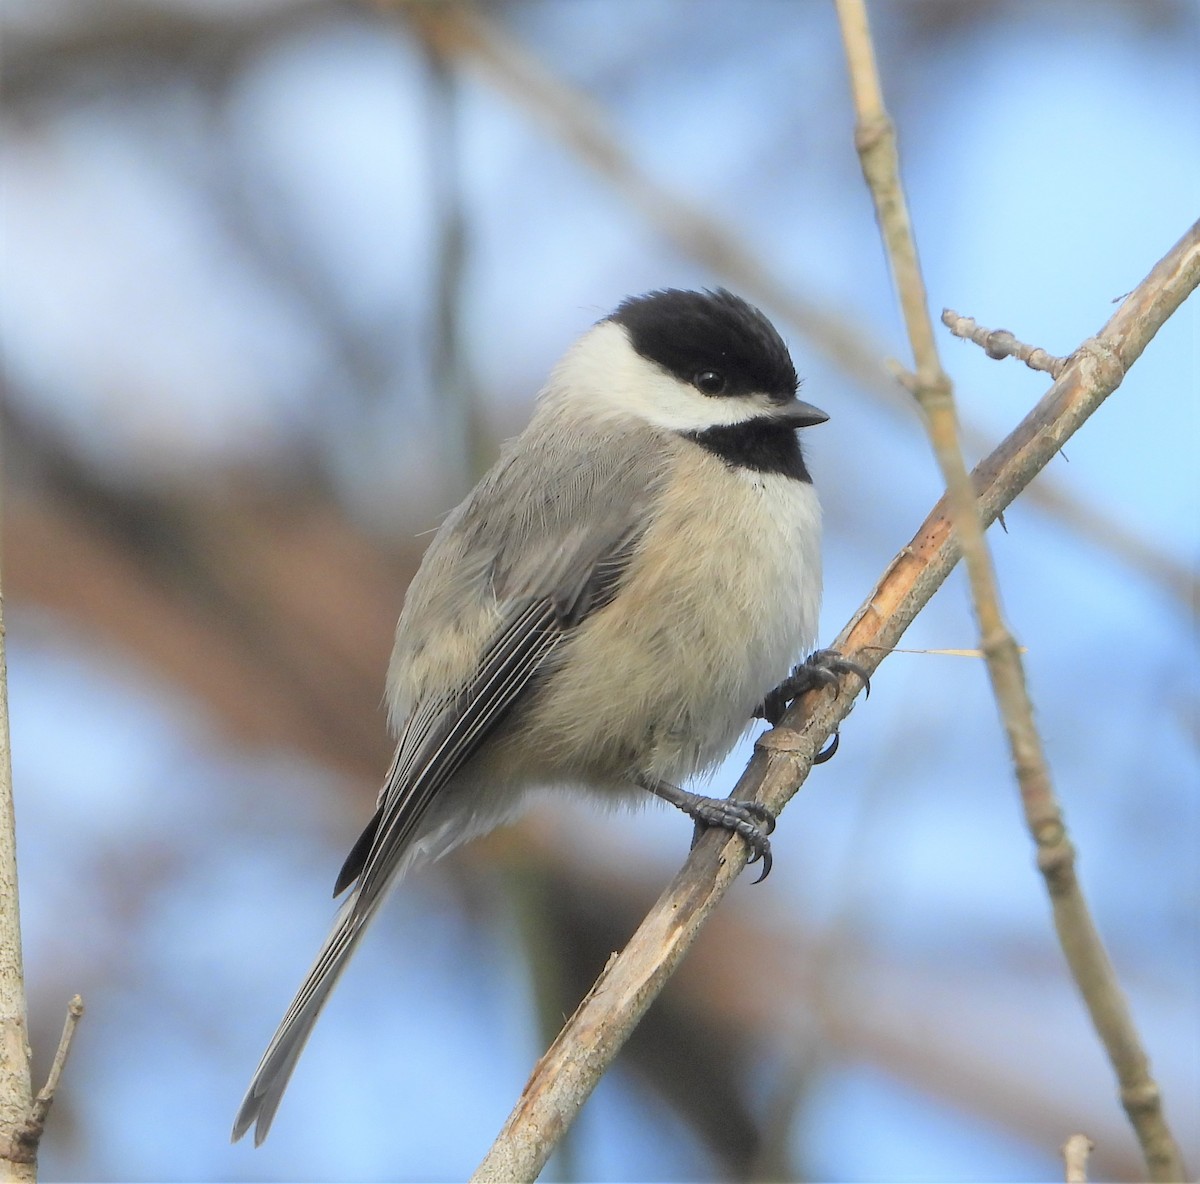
(1075, 1152)
(15, 1084)
(25, 1142)
(1082, 945)
(565, 1076)
(459, 32)
(1000, 343)
(45, 1097)
(22, 1117)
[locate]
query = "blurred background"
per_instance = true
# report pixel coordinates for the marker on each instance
(280, 276)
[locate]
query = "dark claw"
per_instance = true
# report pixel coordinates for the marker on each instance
(767, 862)
(752, 820)
(828, 666)
(755, 835)
(749, 819)
(826, 753)
(755, 810)
(824, 668)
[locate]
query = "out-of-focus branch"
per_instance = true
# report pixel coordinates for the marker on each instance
(16, 1089)
(565, 1076)
(232, 640)
(1086, 956)
(449, 372)
(1121, 542)
(42, 57)
(460, 33)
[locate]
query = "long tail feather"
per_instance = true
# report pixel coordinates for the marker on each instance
(275, 1069)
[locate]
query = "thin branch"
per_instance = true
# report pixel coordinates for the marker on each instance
(461, 33)
(1075, 1152)
(27, 1139)
(1000, 343)
(565, 1076)
(15, 1084)
(1085, 953)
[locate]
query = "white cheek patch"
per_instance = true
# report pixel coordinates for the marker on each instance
(606, 371)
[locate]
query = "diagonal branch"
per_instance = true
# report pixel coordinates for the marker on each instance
(875, 138)
(568, 1072)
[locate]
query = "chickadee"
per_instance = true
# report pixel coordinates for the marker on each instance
(607, 610)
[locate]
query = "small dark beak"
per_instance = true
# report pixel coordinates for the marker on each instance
(800, 414)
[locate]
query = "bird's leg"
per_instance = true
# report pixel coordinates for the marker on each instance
(821, 669)
(752, 820)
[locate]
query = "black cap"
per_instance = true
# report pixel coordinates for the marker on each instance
(690, 333)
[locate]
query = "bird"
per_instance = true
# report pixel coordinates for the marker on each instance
(633, 582)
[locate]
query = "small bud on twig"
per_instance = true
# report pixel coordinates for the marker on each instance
(1000, 343)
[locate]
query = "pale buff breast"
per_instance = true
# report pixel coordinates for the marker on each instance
(698, 634)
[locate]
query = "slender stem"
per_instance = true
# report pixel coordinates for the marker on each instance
(45, 1097)
(16, 1088)
(1081, 943)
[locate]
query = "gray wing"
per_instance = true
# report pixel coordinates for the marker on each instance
(445, 734)
(546, 587)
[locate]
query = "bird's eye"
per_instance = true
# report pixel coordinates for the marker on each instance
(709, 382)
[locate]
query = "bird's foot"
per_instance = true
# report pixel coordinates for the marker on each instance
(823, 668)
(752, 820)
